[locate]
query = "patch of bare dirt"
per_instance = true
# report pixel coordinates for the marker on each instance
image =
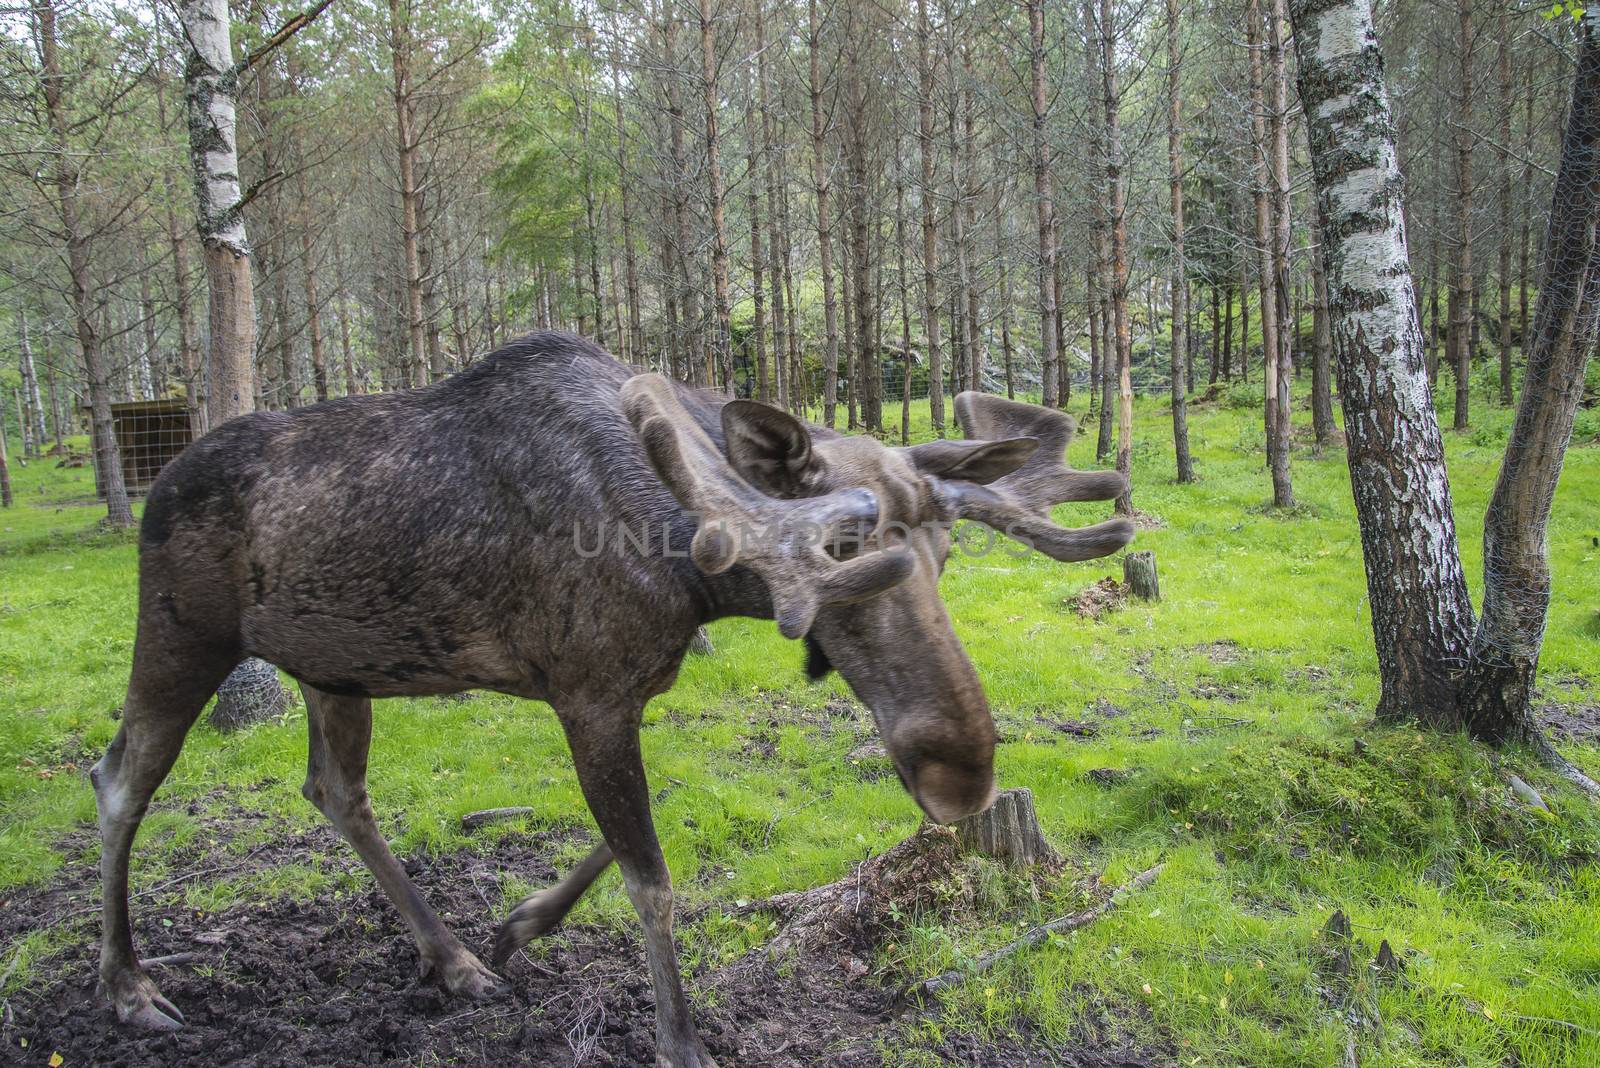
(1102, 597)
(333, 980)
(1572, 722)
(1223, 651)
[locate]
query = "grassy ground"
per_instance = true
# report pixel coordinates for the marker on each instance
(1238, 707)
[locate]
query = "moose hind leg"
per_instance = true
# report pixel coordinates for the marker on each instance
(336, 782)
(166, 693)
(541, 913)
(605, 750)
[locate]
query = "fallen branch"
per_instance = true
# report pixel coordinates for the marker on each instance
(171, 960)
(1033, 937)
(483, 817)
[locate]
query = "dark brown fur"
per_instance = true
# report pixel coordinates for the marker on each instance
(428, 542)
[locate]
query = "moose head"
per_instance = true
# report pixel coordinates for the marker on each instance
(850, 537)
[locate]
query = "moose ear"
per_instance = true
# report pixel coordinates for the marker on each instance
(771, 449)
(972, 461)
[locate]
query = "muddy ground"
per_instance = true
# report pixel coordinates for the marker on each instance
(334, 981)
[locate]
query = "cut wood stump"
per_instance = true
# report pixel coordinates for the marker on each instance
(1139, 573)
(1008, 831)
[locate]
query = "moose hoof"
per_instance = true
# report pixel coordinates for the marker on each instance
(464, 975)
(535, 916)
(693, 1057)
(139, 1003)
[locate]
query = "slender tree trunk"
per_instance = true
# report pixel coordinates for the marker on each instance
(1507, 230)
(930, 231)
(1497, 690)
(680, 235)
(1216, 334)
(721, 354)
(83, 294)
(821, 184)
(753, 144)
(1421, 614)
(866, 379)
(414, 372)
(630, 254)
(905, 293)
(1180, 280)
(1263, 181)
(1281, 355)
(1118, 190)
(777, 211)
(1044, 206)
(1322, 342)
(32, 407)
(1461, 292)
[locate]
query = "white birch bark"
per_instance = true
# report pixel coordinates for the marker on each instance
(1421, 614)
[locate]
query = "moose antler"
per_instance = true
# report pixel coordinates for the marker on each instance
(780, 540)
(1019, 504)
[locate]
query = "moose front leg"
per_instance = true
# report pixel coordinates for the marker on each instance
(605, 750)
(336, 782)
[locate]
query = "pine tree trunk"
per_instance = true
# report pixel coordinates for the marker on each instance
(1118, 195)
(1322, 342)
(777, 212)
(1044, 206)
(866, 379)
(1461, 292)
(821, 184)
(1507, 232)
(415, 371)
(753, 162)
(1497, 690)
(1281, 355)
(930, 232)
(1180, 281)
(83, 294)
(1421, 615)
(1263, 197)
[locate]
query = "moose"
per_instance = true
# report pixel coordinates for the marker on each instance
(431, 541)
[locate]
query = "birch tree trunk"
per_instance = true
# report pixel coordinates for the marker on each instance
(821, 187)
(1497, 690)
(210, 81)
(32, 406)
(1180, 280)
(1421, 615)
(1044, 206)
(64, 176)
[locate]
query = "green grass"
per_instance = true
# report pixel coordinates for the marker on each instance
(1235, 704)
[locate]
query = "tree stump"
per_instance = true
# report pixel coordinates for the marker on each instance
(1008, 831)
(250, 695)
(1139, 573)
